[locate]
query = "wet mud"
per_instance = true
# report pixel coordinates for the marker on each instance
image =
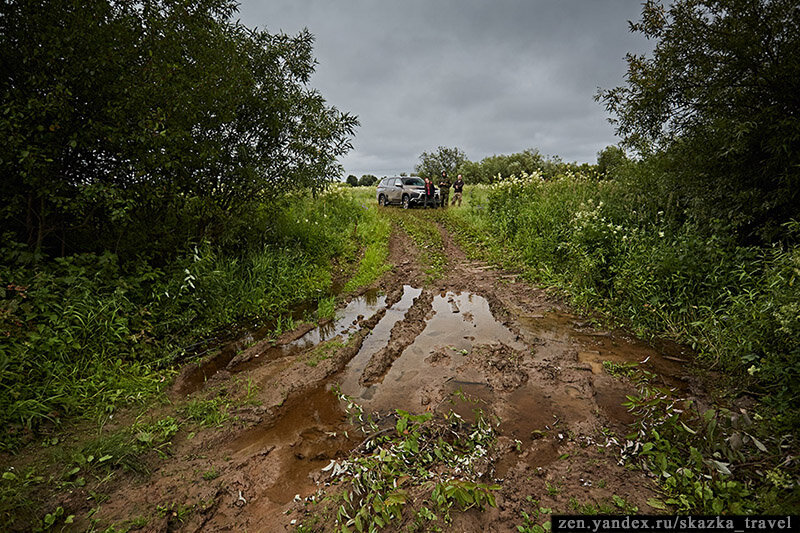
(479, 343)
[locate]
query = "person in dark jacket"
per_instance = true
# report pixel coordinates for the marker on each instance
(430, 192)
(458, 187)
(444, 188)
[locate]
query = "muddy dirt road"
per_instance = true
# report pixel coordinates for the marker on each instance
(478, 335)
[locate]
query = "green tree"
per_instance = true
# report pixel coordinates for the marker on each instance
(719, 102)
(142, 124)
(352, 180)
(367, 180)
(432, 164)
(609, 160)
(503, 165)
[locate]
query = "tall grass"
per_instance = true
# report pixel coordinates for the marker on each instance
(655, 269)
(83, 334)
(614, 247)
(373, 231)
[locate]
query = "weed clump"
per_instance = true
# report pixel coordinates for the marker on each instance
(635, 252)
(85, 334)
(413, 473)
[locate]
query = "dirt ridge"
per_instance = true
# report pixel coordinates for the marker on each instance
(403, 334)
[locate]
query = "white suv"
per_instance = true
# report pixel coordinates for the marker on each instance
(406, 191)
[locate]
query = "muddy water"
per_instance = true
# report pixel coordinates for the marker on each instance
(309, 431)
(667, 361)
(345, 323)
(377, 339)
(458, 321)
(228, 350)
(435, 372)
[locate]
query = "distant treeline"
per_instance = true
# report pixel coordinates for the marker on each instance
(496, 167)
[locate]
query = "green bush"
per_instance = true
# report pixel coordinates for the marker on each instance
(626, 247)
(640, 258)
(88, 333)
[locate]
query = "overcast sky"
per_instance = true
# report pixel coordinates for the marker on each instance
(490, 77)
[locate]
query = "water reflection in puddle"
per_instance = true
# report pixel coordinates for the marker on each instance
(309, 431)
(667, 360)
(345, 323)
(458, 322)
(377, 339)
(310, 428)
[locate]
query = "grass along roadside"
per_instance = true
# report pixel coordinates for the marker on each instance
(637, 264)
(64, 419)
(93, 460)
(373, 231)
(474, 235)
(84, 335)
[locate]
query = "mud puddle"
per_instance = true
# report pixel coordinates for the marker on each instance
(463, 360)
(346, 322)
(525, 413)
(377, 339)
(668, 360)
(199, 374)
(309, 431)
(457, 321)
(287, 453)
(256, 350)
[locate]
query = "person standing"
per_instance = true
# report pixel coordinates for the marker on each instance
(458, 188)
(430, 191)
(444, 188)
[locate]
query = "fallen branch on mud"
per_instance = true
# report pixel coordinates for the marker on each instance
(413, 472)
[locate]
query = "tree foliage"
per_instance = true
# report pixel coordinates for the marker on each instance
(498, 167)
(367, 180)
(719, 101)
(147, 122)
(609, 161)
(446, 159)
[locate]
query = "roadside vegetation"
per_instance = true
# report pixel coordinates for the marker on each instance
(694, 239)
(631, 256)
(373, 230)
(410, 476)
(135, 230)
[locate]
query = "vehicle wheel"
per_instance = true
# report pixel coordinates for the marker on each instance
(406, 202)
(382, 200)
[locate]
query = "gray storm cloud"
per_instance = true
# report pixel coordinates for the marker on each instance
(487, 77)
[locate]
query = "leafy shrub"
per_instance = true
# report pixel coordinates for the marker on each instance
(626, 247)
(87, 332)
(422, 468)
(613, 249)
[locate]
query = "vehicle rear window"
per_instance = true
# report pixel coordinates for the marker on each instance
(413, 181)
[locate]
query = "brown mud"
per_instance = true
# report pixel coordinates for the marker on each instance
(478, 334)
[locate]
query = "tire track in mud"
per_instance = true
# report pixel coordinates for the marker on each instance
(403, 334)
